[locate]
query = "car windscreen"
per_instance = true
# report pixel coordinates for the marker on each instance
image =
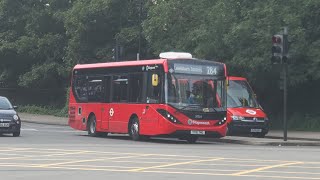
(240, 95)
(4, 103)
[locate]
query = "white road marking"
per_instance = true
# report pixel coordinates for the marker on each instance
(28, 129)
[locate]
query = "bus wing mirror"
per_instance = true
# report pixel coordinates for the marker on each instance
(155, 79)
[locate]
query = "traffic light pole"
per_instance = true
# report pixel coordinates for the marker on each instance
(280, 47)
(285, 73)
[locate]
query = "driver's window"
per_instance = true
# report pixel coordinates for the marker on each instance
(172, 90)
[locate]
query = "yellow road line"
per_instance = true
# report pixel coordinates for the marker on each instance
(264, 168)
(62, 154)
(157, 171)
(88, 160)
(175, 164)
(8, 158)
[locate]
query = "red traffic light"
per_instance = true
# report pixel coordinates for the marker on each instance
(276, 39)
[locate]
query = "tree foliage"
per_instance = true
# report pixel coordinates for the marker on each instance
(41, 40)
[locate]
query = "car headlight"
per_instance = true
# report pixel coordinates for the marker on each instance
(237, 118)
(16, 117)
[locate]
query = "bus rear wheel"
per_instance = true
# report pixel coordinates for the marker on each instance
(92, 126)
(134, 130)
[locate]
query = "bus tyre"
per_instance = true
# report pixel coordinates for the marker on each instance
(135, 130)
(192, 139)
(16, 134)
(92, 127)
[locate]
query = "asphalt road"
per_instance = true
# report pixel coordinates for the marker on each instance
(58, 152)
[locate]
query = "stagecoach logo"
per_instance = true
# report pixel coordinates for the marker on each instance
(252, 112)
(192, 122)
(111, 111)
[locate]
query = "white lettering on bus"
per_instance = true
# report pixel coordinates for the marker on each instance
(198, 122)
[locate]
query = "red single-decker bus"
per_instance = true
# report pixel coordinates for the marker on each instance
(174, 96)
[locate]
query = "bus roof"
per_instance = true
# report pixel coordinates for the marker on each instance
(235, 78)
(121, 63)
(127, 63)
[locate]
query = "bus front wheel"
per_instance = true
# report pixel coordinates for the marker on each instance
(134, 130)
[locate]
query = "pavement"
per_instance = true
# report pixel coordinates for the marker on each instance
(273, 138)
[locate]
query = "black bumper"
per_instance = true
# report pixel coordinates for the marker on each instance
(14, 127)
(240, 127)
(186, 133)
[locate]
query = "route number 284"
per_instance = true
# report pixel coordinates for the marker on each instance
(211, 70)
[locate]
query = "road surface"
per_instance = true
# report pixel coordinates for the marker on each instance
(59, 152)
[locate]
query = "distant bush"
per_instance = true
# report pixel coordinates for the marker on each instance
(298, 121)
(45, 110)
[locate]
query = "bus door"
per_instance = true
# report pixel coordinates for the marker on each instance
(149, 119)
(106, 112)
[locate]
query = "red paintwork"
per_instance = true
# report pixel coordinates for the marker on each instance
(151, 122)
(242, 112)
(236, 78)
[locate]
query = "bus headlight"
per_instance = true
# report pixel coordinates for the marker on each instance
(15, 117)
(168, 116)
(222, 121)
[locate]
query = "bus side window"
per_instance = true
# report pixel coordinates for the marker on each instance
(135, 87)
(80, 88)
(95, 89)
(120, 88)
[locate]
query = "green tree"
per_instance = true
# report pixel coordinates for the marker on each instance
(31, 39)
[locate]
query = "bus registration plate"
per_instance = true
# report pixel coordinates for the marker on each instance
(198, 132)
(4, 124)
(256, 130)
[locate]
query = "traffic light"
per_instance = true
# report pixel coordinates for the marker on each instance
(114, 54)
(117, 53)
(277, 48)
